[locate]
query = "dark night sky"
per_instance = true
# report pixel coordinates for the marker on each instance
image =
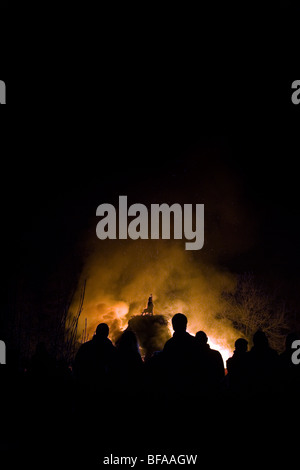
(141, 123)
(163, 104)
(57, 184)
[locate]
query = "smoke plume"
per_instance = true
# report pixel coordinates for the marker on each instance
(121, 276)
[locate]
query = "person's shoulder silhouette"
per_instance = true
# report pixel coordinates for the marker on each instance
(96, 356)
(236, 362)
(131, 365)
(237, 366)
(211, 360)
(178, 358)
(263, 364)
(128, 349)
(261, 350)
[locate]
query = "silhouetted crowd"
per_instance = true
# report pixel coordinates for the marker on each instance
(111, 392)
(186, 367)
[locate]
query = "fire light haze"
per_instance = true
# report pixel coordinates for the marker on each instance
(121, 277)
(121, 274)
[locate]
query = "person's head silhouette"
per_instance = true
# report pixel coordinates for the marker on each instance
(128, 341)
(201, 337)
(102, 331)
(241, 345)
(260, 340)
(179, 323)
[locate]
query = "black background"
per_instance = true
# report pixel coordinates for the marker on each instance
(99, 101)
(69, 144)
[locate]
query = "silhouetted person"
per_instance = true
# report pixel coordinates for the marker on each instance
(263, 364)
(181, 345)
(237, 367)
(130, 362)
(179, 356)
(210, 361)
(95, 361)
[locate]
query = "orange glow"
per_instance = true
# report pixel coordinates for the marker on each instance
(120, 279)
(224, 350)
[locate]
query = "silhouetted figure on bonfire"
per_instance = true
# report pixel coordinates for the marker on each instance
(210, 362)
(150, 306)
(96, 361)
(238, 367)
(179, 357)
(263, 364)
